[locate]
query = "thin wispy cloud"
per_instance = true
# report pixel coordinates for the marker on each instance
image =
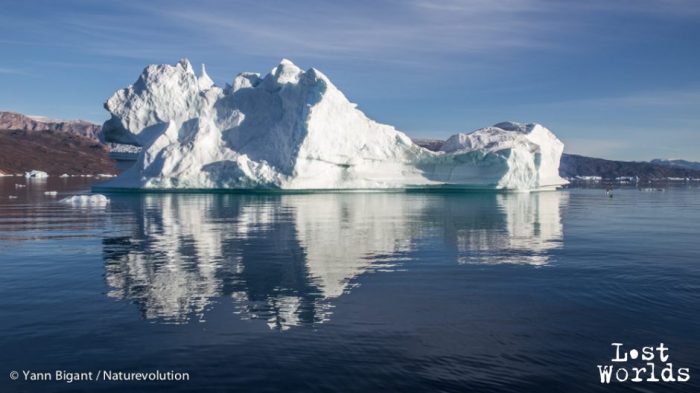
(677, 98)
(663, 98)
(380, 30)
(11, 71)
(329, 30)
(383, 30)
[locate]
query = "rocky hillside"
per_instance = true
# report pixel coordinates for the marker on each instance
(54, 152)
(18, 121)
(573, 165)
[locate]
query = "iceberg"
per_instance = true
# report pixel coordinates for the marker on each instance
(294, 130)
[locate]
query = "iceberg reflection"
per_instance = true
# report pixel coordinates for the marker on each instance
(532, 229)
(283, 259)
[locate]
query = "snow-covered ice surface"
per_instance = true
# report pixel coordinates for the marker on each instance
(86, 200)
(294, 130)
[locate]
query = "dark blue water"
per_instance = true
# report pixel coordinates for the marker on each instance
(347, 292)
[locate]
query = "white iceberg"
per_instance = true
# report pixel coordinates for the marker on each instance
(35, 174)
(293, 129)
(86, 200)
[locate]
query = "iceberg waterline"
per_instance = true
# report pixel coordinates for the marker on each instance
(294, 130)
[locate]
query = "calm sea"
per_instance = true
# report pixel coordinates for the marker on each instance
(356, 292)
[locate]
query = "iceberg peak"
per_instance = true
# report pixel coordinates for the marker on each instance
(204, 82)
(286, 72)
(293, 129)
(287, 62)
(186, 65)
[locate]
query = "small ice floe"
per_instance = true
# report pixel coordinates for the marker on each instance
(12, 197)
(35, 174)
(86, 200)
(51, 193)
(65, 175)
(17, 185)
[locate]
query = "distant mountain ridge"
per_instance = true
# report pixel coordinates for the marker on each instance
(18, 121)
(677, 163)
(573, 165)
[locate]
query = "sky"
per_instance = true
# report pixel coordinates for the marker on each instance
(616, 79)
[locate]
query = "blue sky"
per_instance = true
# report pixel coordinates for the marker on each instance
(614, 79)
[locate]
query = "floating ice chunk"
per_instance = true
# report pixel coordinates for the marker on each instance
(65, 175)
(86, 200)
(51, 193)
(35, 174)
